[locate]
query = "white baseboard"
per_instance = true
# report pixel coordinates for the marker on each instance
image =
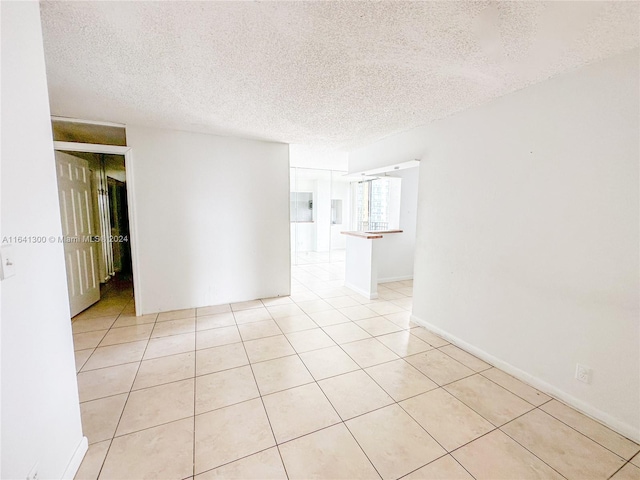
(361, 292)
(395, 279)
(622, 428)
(76, 459)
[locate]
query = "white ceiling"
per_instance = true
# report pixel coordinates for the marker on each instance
(337, 74)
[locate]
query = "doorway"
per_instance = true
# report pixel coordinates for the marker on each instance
(112, 220)
(319, 211)
(94, 212)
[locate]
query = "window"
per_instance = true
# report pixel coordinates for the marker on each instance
(376, 204)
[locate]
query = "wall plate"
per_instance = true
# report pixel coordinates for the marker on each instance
(7, 264)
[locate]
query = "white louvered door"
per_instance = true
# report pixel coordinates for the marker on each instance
(80, 250)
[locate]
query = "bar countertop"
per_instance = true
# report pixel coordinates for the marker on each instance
(371, 235)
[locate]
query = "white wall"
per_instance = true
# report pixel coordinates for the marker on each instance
(527, 249)
(396, 251)
(310, 156)
(40, 420)
(212, 218)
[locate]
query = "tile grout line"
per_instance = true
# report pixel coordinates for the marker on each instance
(329, 400)
(334, 409)
(195, 396)
(524, 446)
(119, 418)
(264, 407)
(330, 403)
(296, 353)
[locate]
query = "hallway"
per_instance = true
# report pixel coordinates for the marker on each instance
(322, 384)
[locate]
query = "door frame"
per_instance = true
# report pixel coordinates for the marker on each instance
(127, 152)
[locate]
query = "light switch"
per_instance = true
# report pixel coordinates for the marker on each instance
(6, 262)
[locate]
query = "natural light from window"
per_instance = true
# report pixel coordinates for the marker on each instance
(376, 204)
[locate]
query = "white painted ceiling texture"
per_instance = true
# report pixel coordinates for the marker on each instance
(336, 74)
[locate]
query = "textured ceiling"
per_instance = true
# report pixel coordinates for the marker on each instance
(337, 74)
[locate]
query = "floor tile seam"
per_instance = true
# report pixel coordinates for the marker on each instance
(348, 320)
(384, 334)
(306, 434)
(423, 428)
(94, 330)
(577, 431)
(313, 349)
(533, 407)
(344, 420)
(85, 361)
(266, 394)
(112, 328)
(317, 385)
(177, 334)
(428, 463)
(264, 407)
(122, 412)
(195, 398)
(448, 454)
(106, 396)
(212, 314)
(417, 394)
(245, 309)
(350, 341)
(107, 366)
(621, 467)
(505, 389)
(381, 363)
(75, 319)
(367, 373)
(110, 440)
(255, 321)
(462, 363)
(525, 447)
(134, 325)
(236, 460)
(216, 346)
(389, 394)
(122, 343)
(584, 434)
(303, 330)
(514, 393)
(440, 384)
(190, 377)
(266, 336)
(165, 320)
(363, 450)
(161, 424)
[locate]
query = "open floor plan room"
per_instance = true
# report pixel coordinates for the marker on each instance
(322, 384)
(320, 240)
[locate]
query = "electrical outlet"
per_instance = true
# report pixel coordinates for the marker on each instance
(583, 373)
(33, 473)
(7, 267)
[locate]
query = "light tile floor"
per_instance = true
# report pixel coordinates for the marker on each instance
(322, 384)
